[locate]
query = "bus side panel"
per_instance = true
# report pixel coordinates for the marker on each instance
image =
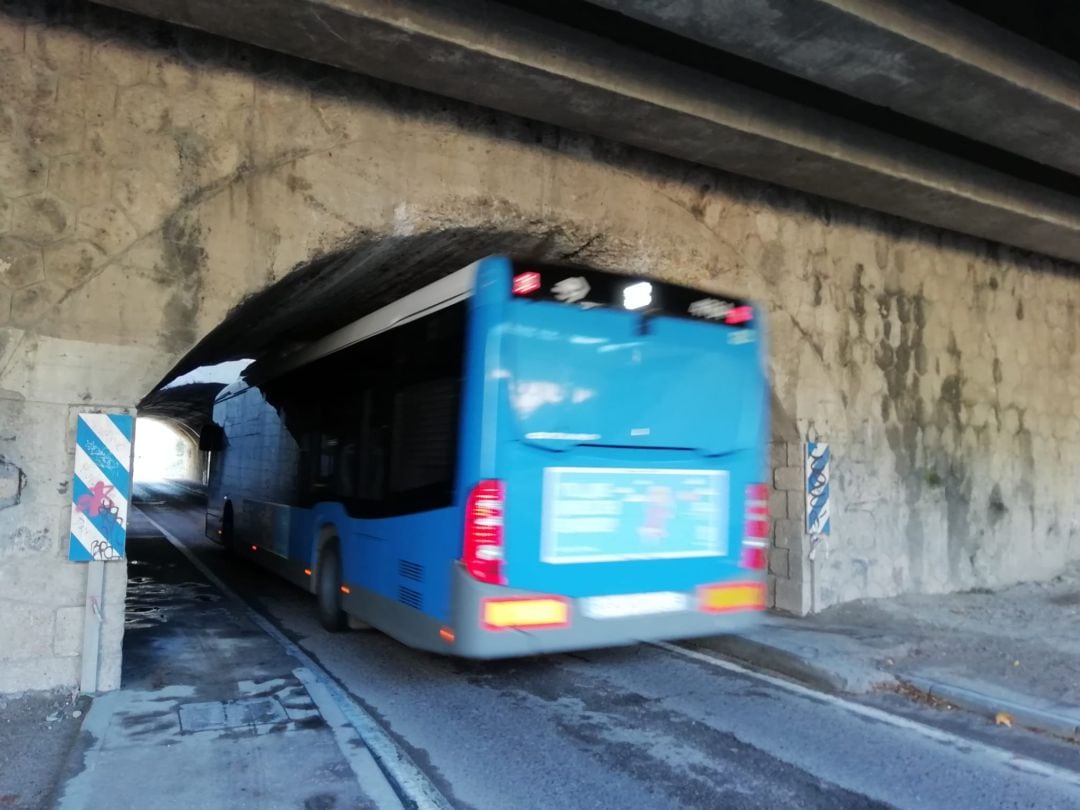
(405, 559)
(483, 376)
(215, 499)
(404, 564)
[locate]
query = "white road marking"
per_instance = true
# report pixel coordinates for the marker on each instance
(359, 756)
(955, 741)
(413, 786)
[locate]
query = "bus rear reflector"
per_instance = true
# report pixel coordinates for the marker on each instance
(483, 548)
(536, 613)
(732, 596)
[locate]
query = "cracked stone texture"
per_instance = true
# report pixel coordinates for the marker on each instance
(152, 179)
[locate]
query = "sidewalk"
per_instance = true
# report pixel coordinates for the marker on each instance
(1015, 651)
(213, 712)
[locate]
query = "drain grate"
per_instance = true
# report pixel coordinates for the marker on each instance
(232, 714)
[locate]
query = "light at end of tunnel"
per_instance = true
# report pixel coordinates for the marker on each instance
(447, 635)
(163, 452)
(307, 571)
(345, 589)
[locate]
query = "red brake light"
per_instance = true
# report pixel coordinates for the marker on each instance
(755, 527)
(525, 283)
(754, 558)
(741, 314)
(483, 552)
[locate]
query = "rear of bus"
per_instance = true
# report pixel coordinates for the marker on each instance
(613, 449)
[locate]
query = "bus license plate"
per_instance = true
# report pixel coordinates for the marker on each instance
(633, 604)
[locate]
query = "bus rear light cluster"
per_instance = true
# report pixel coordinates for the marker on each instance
(483, 551)
(755, 528)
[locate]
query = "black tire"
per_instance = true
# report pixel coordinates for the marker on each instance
(328, 590)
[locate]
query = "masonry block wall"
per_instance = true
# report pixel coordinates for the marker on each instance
(151, 178)
(787, 589)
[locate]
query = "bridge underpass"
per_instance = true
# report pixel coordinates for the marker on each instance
(173, 198)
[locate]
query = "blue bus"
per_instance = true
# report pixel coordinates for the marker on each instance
(515, 459)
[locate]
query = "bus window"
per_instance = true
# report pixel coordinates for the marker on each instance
(425, 422)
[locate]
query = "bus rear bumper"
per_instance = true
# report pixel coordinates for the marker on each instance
(473, 637)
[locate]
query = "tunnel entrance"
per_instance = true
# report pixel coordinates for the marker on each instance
(164, 452)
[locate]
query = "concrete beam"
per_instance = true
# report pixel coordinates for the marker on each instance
(927, 59)
(492, 55)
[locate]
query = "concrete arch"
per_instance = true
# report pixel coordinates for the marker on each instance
(164, 203)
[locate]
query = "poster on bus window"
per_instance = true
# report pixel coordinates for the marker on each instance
(610, 514)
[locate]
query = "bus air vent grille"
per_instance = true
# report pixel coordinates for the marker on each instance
(411, 570)
(410, 597)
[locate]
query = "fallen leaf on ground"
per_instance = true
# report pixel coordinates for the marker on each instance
(1003, 719)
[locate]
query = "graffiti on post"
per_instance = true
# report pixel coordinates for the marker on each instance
(101, 487)
(818, 514)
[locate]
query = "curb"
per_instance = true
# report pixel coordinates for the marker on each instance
(81, 757)
(783, 662)
(1060, 725)
(795, 667)
(411, 785)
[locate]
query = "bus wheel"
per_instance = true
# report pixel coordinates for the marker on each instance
(328, 590)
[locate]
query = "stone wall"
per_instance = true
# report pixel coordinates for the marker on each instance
(151, 178)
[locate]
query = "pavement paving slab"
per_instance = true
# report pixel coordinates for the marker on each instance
(1014, 651)
(212, 712)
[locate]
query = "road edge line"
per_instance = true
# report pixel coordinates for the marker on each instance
(1030, 717)
(1019, 762)
(410, 783)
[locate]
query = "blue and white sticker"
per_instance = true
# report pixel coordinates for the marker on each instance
(817, 488)
(101, 487)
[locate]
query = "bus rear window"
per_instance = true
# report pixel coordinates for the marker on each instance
(591, 377)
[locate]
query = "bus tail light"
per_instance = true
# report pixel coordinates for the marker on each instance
(525, 283)
(755, 527)
(739, 315)
(483, 553)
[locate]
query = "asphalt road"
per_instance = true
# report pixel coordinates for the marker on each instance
(638, 727)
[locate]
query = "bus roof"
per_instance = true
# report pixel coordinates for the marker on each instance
(435, 296)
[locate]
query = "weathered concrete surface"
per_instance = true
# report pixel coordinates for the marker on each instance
(490, 54)
(174, 174)
(932, 61)
(213, 712)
